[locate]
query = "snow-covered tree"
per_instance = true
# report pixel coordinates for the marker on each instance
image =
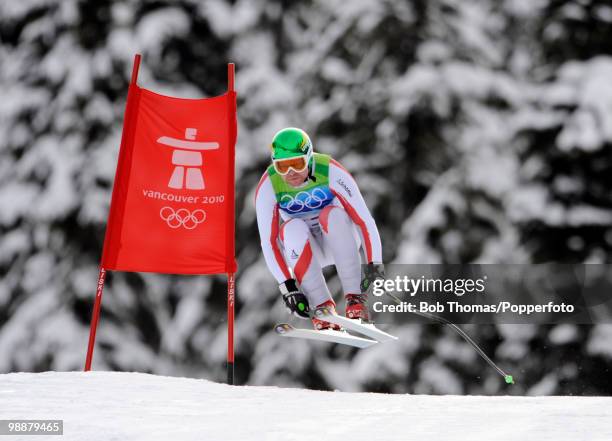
(478, 131)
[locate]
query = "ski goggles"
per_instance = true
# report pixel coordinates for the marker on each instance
(297, 164)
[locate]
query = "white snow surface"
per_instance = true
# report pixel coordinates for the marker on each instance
(135, 406)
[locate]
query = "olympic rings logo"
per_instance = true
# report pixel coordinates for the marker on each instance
(304, 199)
(182, 217)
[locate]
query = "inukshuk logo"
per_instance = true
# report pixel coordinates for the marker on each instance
(187, 160)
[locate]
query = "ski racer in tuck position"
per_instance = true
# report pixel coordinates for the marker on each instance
(311, 214)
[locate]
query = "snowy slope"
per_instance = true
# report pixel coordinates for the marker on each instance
(133, 406)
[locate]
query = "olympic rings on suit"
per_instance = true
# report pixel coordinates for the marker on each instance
(304, 199)
(182, 217)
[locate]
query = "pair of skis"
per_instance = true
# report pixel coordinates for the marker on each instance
(371, 333)
(375, 335)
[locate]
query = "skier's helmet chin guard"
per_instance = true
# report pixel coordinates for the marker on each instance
(290, 144)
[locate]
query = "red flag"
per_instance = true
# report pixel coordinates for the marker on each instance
(172, 208)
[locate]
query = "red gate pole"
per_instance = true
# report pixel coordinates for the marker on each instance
(230, 328)
(102, 276)
(94, 318)
(230, 237)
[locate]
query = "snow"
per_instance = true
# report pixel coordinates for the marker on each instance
(101, 406)
(160, 25)
(546, 386)
(599, 341)
(563, 334)
(226, 20)
(589, 127)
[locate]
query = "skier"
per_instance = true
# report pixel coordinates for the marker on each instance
(310, 214)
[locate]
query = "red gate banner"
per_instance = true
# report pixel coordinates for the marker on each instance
(172, 208)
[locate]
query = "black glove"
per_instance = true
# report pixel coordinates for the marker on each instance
(371, 272)
(295, 301)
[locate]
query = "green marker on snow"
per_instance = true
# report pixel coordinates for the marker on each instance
(509, 379)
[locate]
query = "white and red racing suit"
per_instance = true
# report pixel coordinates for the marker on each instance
(323, 222)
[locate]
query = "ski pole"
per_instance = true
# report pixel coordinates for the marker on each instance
(507, 377)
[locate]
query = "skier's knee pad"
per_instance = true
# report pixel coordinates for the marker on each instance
(296, 229)
(333, 216)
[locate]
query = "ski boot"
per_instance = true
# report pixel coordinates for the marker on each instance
(357, 307)
(321, 325)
